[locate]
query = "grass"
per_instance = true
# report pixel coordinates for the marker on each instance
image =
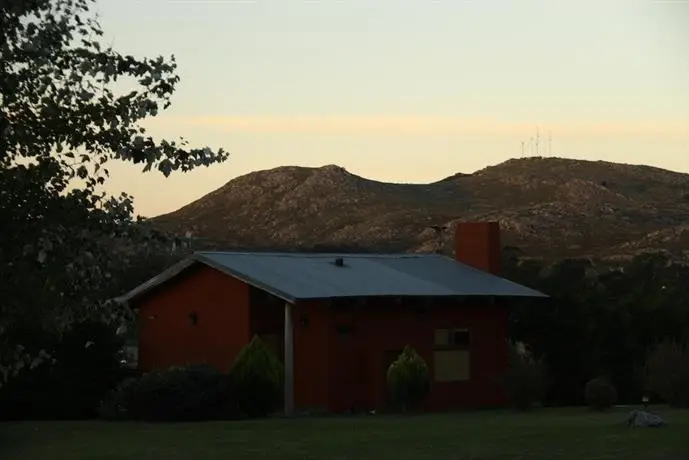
(545, 434)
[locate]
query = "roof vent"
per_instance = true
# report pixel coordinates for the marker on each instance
(339, 262)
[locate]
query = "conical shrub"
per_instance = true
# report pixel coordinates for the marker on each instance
(409, 380)
(256, 378)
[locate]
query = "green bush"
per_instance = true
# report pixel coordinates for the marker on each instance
(667, 373)
(525, 381)
(191, 393)
(256, 378)
(409, 380)
(600, 394)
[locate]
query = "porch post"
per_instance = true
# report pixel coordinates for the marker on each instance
(289, 361)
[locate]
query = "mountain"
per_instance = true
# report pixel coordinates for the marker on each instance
(547, 207)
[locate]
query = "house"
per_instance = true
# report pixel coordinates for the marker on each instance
(339, 320)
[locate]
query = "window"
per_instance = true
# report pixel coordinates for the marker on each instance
(456, 339)
(451, 360)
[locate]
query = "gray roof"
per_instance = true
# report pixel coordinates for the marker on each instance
(303, 276)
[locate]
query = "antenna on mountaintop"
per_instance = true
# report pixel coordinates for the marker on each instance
(538, 136)
(550, 144)
(522, 148)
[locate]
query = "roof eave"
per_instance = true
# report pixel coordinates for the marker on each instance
(199, 257)
(181, 266)
(156, 281)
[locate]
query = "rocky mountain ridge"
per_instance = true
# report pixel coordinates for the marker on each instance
(547, 207)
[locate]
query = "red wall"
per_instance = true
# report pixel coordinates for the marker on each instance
(358, 362)
(311, 356)
(167, 335)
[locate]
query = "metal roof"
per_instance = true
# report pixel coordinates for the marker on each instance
(303, 276)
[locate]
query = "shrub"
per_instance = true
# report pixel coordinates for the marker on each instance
(667, 373)
(600, 394)
(117, 404)
(525, 380)
(256, 378)
(85, 366)
(409, 380)
(191, 393)
(88, 361)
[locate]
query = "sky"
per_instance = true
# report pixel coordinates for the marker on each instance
(408, 90)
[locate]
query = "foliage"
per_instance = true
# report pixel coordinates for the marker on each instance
(200, 392)
(191, 393)
(667, 372)
(409, 379)
(600, 394)
(256, 378)
(85, 365)
(68, 106)
(525, 380)
(600, 320)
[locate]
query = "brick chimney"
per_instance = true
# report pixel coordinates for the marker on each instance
(478, 244)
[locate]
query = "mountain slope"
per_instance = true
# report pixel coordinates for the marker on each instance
(549, 207)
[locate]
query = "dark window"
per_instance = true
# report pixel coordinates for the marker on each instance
(460, 338)
(457, 339)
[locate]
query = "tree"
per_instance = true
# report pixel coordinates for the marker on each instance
(73, 382)
(525, 380)
(61, 122)
(600, 320)
(559, 332)
(667, 372)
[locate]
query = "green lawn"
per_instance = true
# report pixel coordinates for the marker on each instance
(546, 434)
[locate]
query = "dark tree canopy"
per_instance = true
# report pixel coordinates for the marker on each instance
(601, 322)
(62, 119)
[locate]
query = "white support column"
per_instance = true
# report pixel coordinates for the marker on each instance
(289, 361)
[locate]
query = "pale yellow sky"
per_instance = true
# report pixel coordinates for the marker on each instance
(409, 91)
(403, 126)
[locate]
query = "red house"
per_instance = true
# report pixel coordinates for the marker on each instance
(339, 320)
